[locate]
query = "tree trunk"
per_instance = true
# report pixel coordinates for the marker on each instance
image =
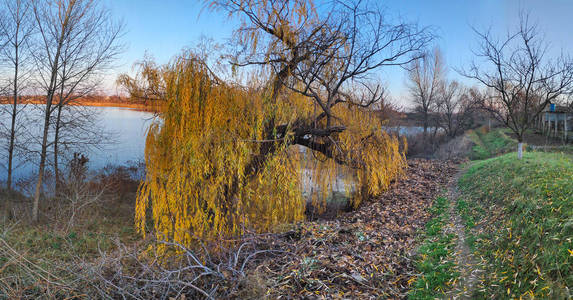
(565, 137)
(425, 134)
(43, 153)
(56, 140)
(519, 134)
(35, 208)
(13, 125)
(57, 132)
(51, 89)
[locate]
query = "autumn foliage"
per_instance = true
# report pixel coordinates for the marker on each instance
(235, 152)
(202, 182)
(197, 155)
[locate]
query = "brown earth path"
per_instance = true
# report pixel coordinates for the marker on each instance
(465, 260)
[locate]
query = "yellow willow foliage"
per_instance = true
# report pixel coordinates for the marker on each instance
(320, 174)
(197, 184)
(379, 156)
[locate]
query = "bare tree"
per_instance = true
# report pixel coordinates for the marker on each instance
(426, 79)
(328, 55)
(77, 40)
(455, 106)
(521, 77)
(16, 28)
(85, 57)
(569, 102)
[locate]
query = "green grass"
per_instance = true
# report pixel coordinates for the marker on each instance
(556, 149)
(435, 258)
(52, 246)
(29, 253)
(490, 143)
(520, 217)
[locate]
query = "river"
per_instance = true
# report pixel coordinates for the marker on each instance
(119, 134)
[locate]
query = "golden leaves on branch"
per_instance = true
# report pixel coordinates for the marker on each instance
(379, 154)
(217, 166)
(197, 183)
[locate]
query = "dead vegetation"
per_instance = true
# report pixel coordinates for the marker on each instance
(363, 253)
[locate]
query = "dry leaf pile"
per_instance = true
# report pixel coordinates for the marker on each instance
(360, 254)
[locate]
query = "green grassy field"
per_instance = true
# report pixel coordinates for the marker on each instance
(519, 216)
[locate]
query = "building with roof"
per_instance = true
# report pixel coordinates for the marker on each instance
(557, 121)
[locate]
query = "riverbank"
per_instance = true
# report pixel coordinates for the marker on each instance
(84, 222)
(498, 141)
(412, 241)
(367, 252)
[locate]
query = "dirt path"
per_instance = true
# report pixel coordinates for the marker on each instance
(465, 260)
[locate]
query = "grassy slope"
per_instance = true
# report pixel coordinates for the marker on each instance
(490, 143)
(520, 218)
(435, 258)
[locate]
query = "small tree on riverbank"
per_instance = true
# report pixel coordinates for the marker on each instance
(76, 40)
(16, 30)
(520, 78)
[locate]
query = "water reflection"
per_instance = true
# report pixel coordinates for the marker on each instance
(121, 138)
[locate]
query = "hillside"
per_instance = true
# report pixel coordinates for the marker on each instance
(518, 219)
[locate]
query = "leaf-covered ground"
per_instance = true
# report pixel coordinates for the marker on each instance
(367, 253)
(361, 254)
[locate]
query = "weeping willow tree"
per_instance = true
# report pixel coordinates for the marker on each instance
(203, 178)
(226, 157)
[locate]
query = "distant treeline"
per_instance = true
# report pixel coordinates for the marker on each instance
(90, 100)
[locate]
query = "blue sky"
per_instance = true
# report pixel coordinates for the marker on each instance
(163, 28)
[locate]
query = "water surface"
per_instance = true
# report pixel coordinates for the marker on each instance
(109, 136)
